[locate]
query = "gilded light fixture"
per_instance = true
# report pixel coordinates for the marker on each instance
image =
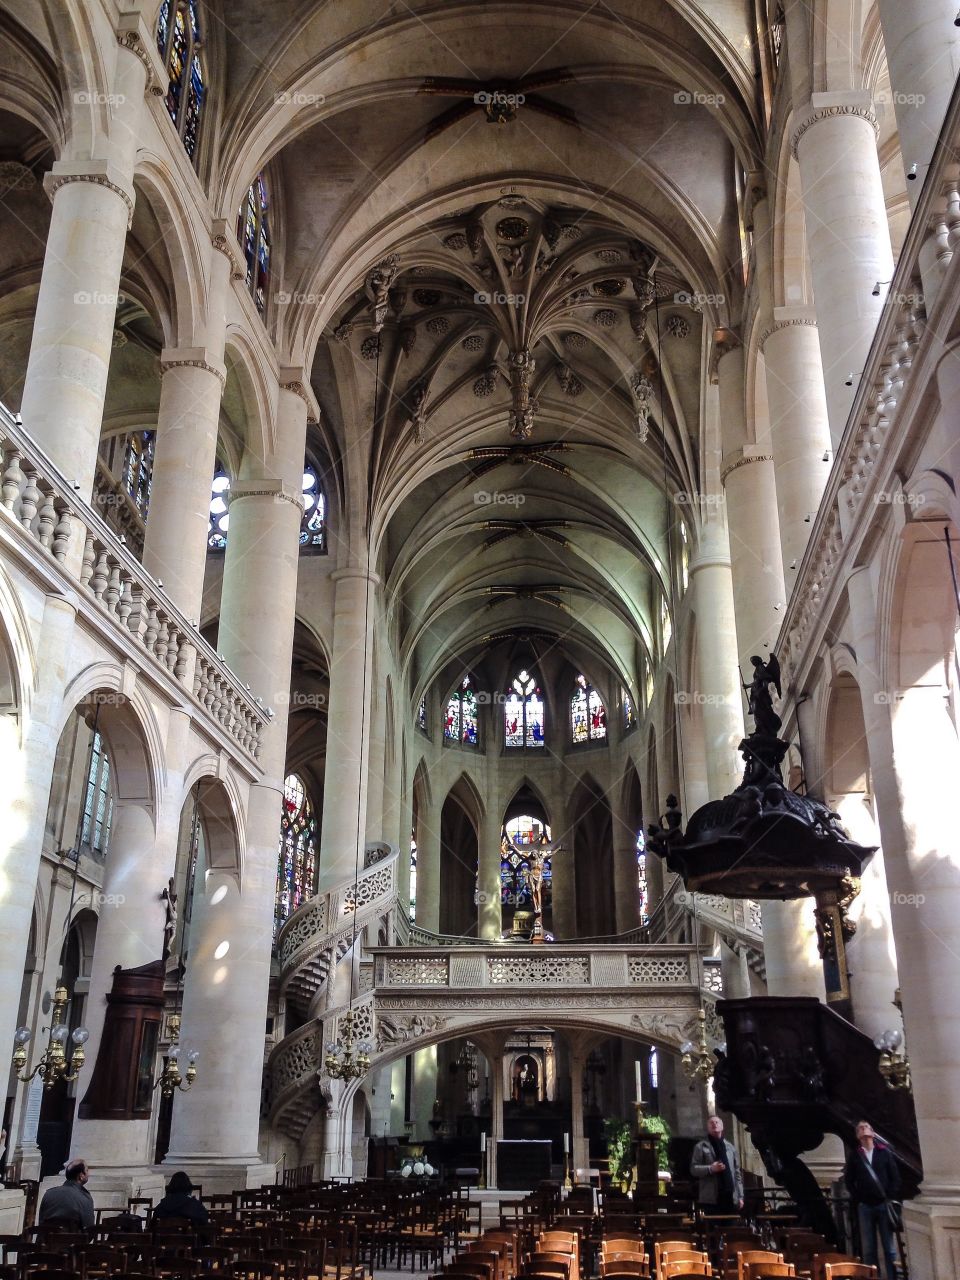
(53, 1066)
(170, 1078)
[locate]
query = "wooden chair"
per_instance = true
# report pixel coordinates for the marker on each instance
(747, 1257)
(768, 1270)
(622, 1243)
(101, 1260)
(685, 1270)
(679, 1250)
(624, 1266)
(849, 1271)
(819, 1261)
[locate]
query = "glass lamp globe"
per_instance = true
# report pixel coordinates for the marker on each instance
(406, 1171)
(80, 1036)
(22, 1035)
(59, 1035)
(418, 1168)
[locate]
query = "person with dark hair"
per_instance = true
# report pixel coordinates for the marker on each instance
(715, 1165)
(873, 1180)
(69, 1205)
(179, 1202)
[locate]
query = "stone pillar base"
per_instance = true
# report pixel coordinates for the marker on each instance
(113, 1185)
(219, 1177)
(932, 1223)
(12, 1205)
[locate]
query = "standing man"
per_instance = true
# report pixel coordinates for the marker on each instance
(70, 1205)
(716, 1168)
(873, 1180)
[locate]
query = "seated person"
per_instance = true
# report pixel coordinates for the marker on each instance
(178, 1202)
(69, 1205)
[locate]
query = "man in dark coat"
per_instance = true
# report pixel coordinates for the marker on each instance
(715, 1165)
(179, 1202)
(873, 1179)
(70, 1205)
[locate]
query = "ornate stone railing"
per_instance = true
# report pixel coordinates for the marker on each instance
(727, 915)
(865, 477)
(417, 937)
(41, 506)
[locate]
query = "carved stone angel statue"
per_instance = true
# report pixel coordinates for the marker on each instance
(760, 705)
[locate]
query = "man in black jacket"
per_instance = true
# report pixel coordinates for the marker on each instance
(69, 1205)
(873, 1179)
(179, 1202)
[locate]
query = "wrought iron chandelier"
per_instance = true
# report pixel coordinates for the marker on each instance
(170, 1078)
(893, 1065)
(340, 1062)
(53, 1065)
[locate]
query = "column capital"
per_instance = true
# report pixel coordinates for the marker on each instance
(134, 35)
(192, 358)
(831, 106)
(355, 571)
(742, 458)
(296, 380)
(788, 318)
(98, 172)
(224, 241)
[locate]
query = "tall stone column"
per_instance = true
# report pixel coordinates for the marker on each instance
(751, 512)
(799, 428)
(719, 692)
(93, 199)
(626, 885)
(579, 1145)
(215, 1125)
(348, 727)
(428, 872)
(835, 143)
(489, 914)
(923, 58)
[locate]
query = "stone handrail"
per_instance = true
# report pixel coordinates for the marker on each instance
(41, 504)
(866, 457)
(417, 937)
(742, 915)
(321, 920)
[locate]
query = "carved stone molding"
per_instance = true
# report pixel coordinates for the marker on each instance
(54, 181)
(166, 365)
(743, 462)
(831, 113)
(131, 40)
(797, 322)
(298, 389)
(222, 243)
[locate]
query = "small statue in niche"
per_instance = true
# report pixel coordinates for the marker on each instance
(169, 896)
(760, 703)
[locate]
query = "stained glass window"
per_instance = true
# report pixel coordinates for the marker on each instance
(180, 45)
(97, 800)
(523, 713)
(654, 1069)
(413, 879)
(518, 835)
(684, 556)
(138, 469)
(666, 626)
(588, 718)
(253, 232)
(313, 529)
(219, 516)
(629, 715)
(642, 876)
(422, 714)
(647, 682)
(297, 855)
(460, 721)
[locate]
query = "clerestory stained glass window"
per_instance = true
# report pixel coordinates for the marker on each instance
(666, 625)
(629, 714)
(253, 232)
(422, 714)
(460, 721)
(313, 529)
(523, 713)
(219, 515)
(180, 45)
(519, 835)
(588, 717)
(413, 880)
(297, 856)
(138, 469)
(684, 556)
(642, 877)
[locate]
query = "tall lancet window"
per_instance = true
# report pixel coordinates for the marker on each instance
(97, 801)
(523, 713)
(460, 722)
(253, 232)
(181, 47)
(297, 855)
(588, 717)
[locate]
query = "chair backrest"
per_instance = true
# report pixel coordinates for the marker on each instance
(849, 1270)
(631, 1241)
(685, 1270)
(636, 1266)
(748, 1256)
(768, 1270)
(819, 1261)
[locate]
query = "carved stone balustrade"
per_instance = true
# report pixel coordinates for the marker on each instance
(51, 533)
